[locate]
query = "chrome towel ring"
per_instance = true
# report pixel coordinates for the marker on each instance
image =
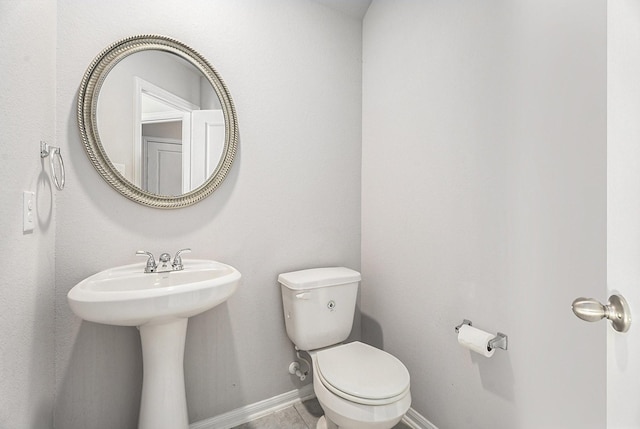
(54, 155)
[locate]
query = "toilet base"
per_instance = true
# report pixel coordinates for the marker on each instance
(324, 423)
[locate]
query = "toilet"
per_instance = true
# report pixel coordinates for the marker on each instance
(357, 385)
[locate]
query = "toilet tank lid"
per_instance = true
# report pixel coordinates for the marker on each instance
(318, 277)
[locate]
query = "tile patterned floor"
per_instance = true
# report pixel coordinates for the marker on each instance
(302, 415)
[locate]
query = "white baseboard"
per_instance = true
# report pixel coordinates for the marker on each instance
(255, 411)
(416, 420)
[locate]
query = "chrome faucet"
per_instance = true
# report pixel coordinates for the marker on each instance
(165, 258)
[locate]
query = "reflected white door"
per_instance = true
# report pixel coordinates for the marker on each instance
(162, 169)
(207, 134)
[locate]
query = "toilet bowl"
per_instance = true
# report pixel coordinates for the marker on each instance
(357, 385)
(360, 387)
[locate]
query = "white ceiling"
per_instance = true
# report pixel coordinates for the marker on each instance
(353, 8)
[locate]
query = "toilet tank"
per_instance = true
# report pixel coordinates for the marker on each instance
(319, 305)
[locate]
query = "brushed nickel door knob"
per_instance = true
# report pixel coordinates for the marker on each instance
(617, 311)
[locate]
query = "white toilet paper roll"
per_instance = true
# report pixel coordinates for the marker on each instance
(476, 340)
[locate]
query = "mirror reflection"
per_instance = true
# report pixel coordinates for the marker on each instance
(161, 123)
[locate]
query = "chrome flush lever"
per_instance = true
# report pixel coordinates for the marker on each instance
(151, 262)
(177, 260)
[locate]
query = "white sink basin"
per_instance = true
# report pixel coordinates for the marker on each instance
(128, 296)
(160, 305)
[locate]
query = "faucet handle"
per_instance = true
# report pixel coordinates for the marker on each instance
(177, 260)
(151, 262)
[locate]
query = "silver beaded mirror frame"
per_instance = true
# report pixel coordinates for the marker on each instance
(88, 120)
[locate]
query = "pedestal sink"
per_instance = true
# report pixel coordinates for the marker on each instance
(159, 304)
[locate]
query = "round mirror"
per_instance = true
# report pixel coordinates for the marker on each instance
(157, 121)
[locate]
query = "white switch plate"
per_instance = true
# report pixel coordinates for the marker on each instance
(28, 210)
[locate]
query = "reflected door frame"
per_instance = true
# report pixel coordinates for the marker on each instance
(178, 110)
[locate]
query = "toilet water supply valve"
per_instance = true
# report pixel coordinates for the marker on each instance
(294, 367)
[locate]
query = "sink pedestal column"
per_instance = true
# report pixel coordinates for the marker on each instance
(164, 403)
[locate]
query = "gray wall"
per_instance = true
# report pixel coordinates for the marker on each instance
(291, 201)
(27, 115)
(484, 197)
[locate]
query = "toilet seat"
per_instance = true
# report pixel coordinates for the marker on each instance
(362, 374)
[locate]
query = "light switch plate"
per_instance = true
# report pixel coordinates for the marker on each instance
(28, 210)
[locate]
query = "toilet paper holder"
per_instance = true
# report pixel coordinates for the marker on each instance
(500, 341)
